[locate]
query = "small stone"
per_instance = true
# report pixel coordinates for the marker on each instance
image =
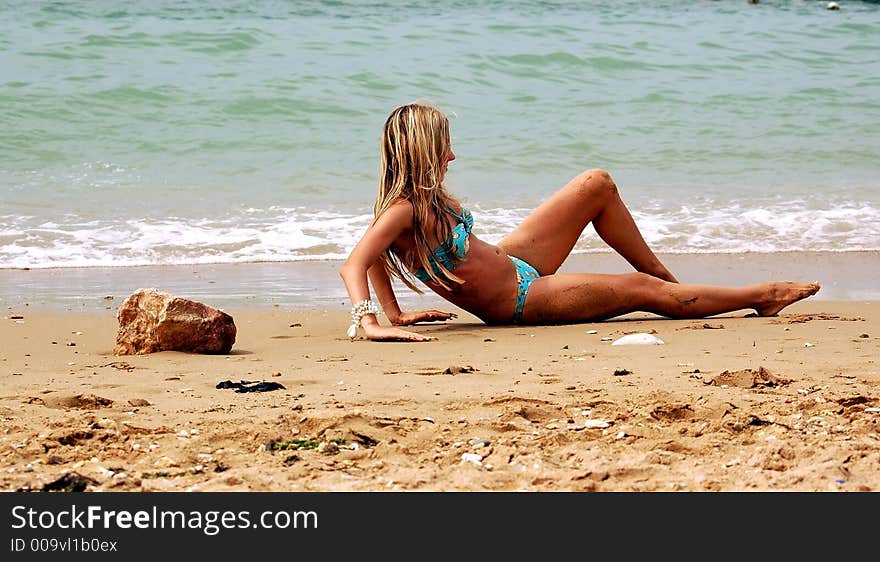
(472, 458)
(164, 462)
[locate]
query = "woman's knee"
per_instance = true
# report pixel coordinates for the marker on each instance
(596, 183)
(644, 281)
(645, 288)
(653, 293)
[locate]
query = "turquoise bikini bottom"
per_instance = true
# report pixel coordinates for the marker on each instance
(525, 275)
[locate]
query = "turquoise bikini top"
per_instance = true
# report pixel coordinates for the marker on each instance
(454, 248)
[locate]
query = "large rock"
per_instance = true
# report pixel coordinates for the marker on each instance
(151, 320)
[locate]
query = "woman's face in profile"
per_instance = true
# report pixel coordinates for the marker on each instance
(450, 156)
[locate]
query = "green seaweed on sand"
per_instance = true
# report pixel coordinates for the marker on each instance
(299, 444)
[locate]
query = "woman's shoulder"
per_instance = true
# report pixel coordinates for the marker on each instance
(400, 211)
(401, 205)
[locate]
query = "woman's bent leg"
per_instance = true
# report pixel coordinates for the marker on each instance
(581, 297)
(546, 237)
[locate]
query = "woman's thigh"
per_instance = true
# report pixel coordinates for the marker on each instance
(584, 297)
(546, 237)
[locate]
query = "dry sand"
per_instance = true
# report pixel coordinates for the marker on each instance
(731, 403)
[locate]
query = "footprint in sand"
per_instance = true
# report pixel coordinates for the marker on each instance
(451, 370)
(670, 412)
(78, 401)
(748, 378)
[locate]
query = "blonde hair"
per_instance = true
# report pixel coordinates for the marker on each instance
(415, 148)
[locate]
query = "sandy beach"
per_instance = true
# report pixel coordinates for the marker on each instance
(232, 153)
(730, 403)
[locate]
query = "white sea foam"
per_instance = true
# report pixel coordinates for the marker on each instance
(295, 234)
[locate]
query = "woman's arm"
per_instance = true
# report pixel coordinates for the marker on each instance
(388, 301)
(384, 291)
(393, 222)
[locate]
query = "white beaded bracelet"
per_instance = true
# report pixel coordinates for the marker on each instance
(358, 311)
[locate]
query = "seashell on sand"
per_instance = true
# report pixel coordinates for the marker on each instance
(638, 339)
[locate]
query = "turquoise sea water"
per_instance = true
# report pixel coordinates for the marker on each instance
(193, 132)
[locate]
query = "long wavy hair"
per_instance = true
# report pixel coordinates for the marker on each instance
(415, 148)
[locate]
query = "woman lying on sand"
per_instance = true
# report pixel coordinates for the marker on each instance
(421, 230)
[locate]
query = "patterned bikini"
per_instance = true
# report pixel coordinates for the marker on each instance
(456, 248)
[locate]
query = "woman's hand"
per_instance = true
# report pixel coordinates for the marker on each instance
(386, 333)
(410, 318)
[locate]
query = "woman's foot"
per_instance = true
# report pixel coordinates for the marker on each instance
(779, 295)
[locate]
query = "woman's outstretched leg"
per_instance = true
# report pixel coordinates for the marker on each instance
(545, 238)
(580, 297)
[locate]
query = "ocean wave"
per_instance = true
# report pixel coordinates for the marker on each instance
(297, 234)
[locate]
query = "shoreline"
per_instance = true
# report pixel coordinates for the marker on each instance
(845, 276)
